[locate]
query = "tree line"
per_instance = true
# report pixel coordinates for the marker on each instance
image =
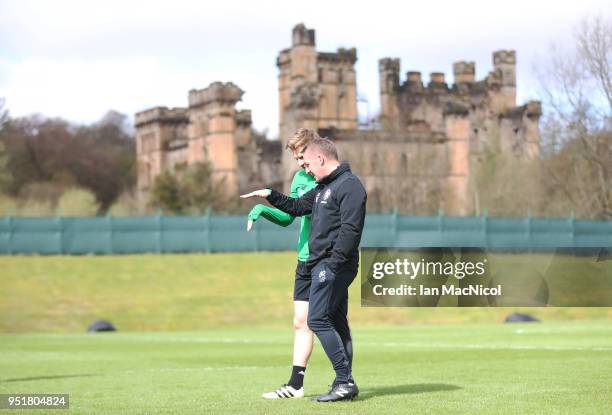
(49, 164)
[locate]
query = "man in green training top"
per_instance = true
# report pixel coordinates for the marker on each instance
(302, 344)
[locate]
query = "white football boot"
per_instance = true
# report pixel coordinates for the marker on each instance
(284, 391)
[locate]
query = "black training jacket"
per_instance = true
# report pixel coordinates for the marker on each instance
(338, 206)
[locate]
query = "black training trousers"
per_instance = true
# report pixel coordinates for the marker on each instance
(327, 316)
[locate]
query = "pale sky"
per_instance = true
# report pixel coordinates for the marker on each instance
(79, 59)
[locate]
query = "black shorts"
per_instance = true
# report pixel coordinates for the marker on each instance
(303, 280)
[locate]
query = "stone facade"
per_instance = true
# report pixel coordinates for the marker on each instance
(426, 148)
(209, 129)
(421, 157)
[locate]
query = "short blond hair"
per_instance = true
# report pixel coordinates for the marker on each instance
(301, 138)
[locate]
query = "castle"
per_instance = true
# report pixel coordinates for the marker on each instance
(420, 157)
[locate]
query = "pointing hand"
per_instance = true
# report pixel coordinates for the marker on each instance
(257, 193)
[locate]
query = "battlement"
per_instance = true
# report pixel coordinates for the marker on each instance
(502, 75)
(504, 57)
(413, 76)
(464, 71)
(389, 65)
(414, 82)
(284, 57)
(243, 118)
(436, 78)
(341, 56)
(303, 36)
(437, 83)
(532, 109)
(219, 92)
(162, 115)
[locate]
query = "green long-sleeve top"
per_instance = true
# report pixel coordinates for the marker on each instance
(302, 182)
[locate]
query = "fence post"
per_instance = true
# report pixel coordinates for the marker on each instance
(61, 225)
(485, 227)
(440, 226)
(572, 220)
(159, 233)
(395, 229)
(530, 231)
(208, 238)
(111, 248)
(10, 234)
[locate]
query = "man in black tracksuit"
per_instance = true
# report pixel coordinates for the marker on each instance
(337, 207)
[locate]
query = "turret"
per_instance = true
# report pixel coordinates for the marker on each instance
(303, 36)
(213, 122)
(504, 71)
(155, 129)
(464, 72)
(388, 69)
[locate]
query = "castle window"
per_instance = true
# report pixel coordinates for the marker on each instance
(320, 75)
(340, 76)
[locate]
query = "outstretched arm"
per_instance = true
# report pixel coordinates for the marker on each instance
(275, 216)
(296, 207)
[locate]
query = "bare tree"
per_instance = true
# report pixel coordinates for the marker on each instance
(4, 115)
(576, 84)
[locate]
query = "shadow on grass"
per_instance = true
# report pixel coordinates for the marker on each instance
(46, 378)
(367, 393)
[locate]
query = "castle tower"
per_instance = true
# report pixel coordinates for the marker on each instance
(388, 70)
(520, 130)
(503, 77)
(297, 67)
(212, 133)
(316, 90)
(303, 55)
(338, 85)
(322, 81)
(458, 150)
(155, 129)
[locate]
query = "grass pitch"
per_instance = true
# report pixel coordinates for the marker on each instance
(191, 292)
(209, 333)
(561, 368)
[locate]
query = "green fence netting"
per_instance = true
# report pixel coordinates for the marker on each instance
(217, 233)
